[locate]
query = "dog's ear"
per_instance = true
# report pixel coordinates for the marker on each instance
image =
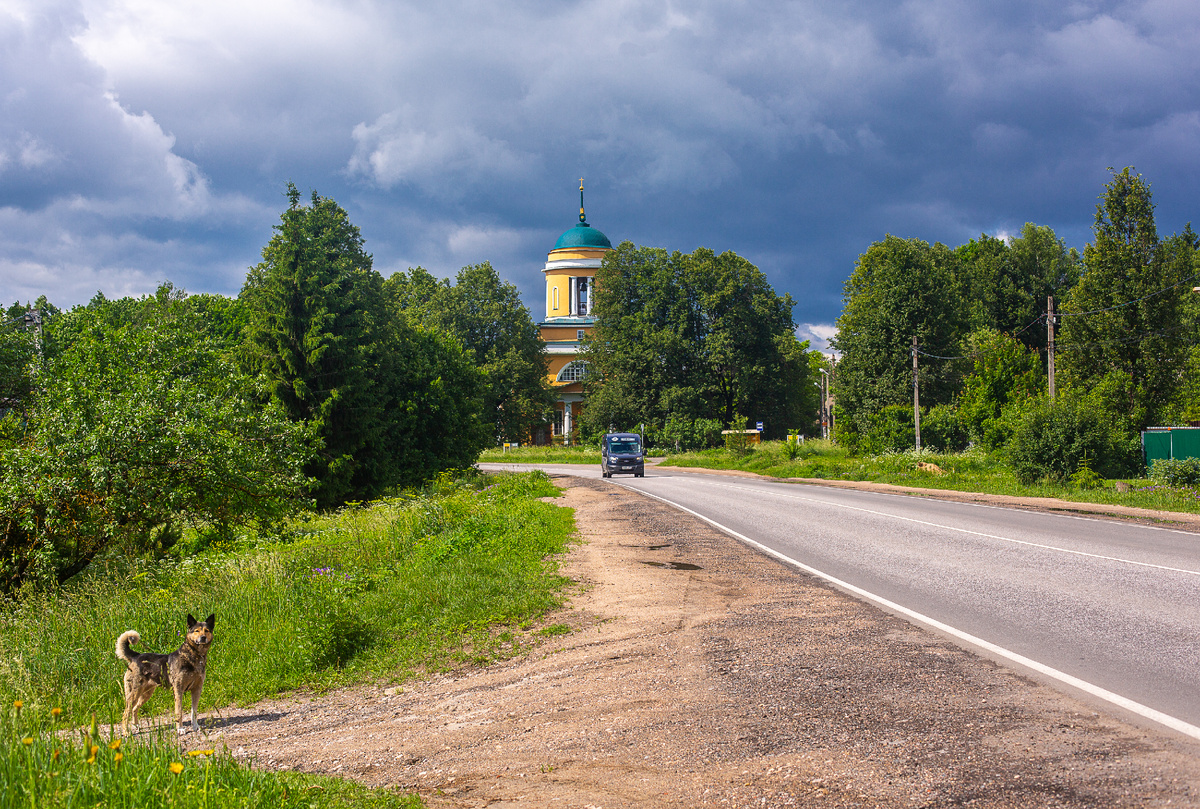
(211, 621)
(191, 621)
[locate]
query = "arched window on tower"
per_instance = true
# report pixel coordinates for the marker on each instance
(579, 302)
(573, 372)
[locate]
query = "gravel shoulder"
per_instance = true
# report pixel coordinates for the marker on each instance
(701, 673)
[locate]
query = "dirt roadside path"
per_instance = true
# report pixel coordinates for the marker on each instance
(701, 673)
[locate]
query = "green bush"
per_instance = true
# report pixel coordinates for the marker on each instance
(891, 431)
(942, 428)
(1056, 439)
(1176, 471)
(684, 434)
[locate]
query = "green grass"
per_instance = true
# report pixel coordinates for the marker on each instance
(546, 454)
(971, 471)
(42, 765)
(388, 591)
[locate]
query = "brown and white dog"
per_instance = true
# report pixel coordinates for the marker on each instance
(182, 670)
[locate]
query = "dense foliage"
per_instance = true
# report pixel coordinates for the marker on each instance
(1125, 314)
(486, 316)
(900, 289)
(693, 337)
(392, 403)
(1127, 347)
(139, 425)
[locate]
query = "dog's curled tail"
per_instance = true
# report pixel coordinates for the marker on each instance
(124, 642)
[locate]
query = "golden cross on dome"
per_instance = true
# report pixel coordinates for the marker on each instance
(581, 216)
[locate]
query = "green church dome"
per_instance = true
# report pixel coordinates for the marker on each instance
(582, 235)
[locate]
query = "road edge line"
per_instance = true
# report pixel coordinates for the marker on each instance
(1144, 711)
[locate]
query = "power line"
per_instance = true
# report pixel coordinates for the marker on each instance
(1129, 303)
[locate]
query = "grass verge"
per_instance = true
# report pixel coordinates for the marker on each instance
(388, 590)
(43, 766)
(971, 471)
(546, 454)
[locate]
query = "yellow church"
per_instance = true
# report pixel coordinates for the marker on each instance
(570, 271)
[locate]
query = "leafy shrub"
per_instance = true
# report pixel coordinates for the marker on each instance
(1176, 471)
(1056, 439)
(891, 430)
(684, 434)
(941, 427)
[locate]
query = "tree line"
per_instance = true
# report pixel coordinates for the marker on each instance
(125, 422)
(1126, 350)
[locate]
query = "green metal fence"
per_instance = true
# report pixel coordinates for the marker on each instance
(1170, 442)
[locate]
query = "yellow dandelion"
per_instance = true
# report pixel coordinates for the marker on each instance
(114, 744)
(56, 712)
(18, 704)
(175, 767)
(117, 758)
(57, 753)
(28, 740)
(91, 759)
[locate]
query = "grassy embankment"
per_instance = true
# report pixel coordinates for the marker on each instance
(456, 575)
(971, 471)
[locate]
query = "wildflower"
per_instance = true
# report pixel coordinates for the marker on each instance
(118, 758)
(28, 740)
(56, 754)
(175, 767)
(114, 744)
(18, 704)
(56, 712)
(194, 753)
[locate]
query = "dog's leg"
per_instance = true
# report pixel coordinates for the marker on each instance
(178, 709)
(195, 704)
(130, 696)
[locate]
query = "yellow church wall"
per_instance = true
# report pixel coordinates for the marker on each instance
(567, 334)
(577, 253)
(558, 288)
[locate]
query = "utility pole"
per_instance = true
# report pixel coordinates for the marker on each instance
(916, 397)
(824, 403)
(1050, 344)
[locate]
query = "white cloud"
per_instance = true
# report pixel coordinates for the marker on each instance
(818, 336)
(439, 160)
(471, 244)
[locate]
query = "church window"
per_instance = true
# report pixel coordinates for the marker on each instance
(573, 372)
(582, 307)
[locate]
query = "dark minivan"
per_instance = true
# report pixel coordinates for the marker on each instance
(621, 454)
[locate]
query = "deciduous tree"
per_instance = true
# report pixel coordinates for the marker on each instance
(1124, 317)
(700, 336)
(486, 316)
(139, 426)
(900, 288)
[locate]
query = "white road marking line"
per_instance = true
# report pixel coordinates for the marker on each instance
(962, 530)
(1141, 710)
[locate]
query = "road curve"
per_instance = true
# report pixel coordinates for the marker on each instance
(1101, 606)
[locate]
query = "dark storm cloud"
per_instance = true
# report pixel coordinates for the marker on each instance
(144, 141)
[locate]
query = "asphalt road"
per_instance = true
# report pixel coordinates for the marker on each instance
(1108, 608)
